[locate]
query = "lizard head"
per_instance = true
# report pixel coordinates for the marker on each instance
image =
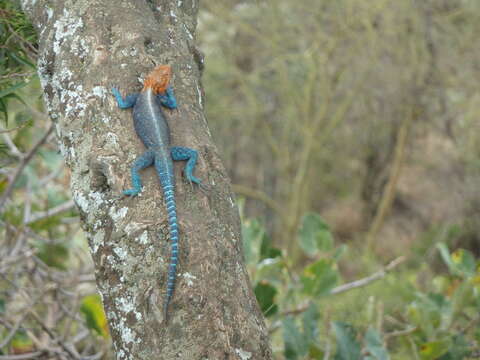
(158, 79)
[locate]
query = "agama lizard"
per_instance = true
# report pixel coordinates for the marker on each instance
(152, 128)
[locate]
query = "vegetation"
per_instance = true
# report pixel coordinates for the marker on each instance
(356, 159)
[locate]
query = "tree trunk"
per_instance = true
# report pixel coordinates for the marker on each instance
(86, 47)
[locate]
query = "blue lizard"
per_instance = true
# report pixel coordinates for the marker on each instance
(152, 128)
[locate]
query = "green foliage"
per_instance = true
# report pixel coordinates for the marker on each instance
(265, 294)
(302, 342)
(21, 343)
(320, 277)
(348, 347)
(374, 346)
(315, 235)
(17, 54)
(92, 309)
(435, 317)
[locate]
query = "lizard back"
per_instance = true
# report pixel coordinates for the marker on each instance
(150, 123)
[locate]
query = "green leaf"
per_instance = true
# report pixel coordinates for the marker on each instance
(320, 277)
(348, 347)
(54, 255)
(295, 343)
(3, 109)
(464, 262)
(310, 322)
(13, 88)
(374, 345)
(2, 306)
(460, 349)
(22, 60)
(434, 349)
(21, 343)
(445, 254)
(92, 309)
(315, 353)
(315, 235)
(461, 262)
(265, 294)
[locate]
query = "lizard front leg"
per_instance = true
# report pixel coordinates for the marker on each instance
(126, 103)
(143, 161)
(168, 99)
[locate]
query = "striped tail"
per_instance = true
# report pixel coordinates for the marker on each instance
(172, 221)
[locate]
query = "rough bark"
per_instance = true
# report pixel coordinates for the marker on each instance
(86, 47)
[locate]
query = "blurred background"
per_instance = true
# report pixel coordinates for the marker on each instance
(350, 132)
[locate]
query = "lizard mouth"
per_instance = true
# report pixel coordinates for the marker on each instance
(158, 79)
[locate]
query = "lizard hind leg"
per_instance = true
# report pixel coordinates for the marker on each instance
(143, 161)
(183, 153)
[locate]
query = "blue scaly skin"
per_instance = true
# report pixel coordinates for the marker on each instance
(152, 128)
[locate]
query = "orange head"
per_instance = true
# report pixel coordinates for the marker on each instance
(158, 79)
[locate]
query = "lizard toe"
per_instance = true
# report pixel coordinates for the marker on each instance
(131, 192)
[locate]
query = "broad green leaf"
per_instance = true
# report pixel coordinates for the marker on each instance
(461, 262)
(296, 345)
(434, 349)
(348, 347)
(464, 262)
(2, 306)
(445, 253)
(21, 343)
(310, 322)
(315, 235)
(374, 345)
(271, 270)
(320, 277)
(265, 294)
(54, 255)
(92, 309)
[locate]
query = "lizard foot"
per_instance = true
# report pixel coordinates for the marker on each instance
(131, 192)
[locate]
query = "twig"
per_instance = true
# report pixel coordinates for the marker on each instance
(8, 191)
(19, 127)
(367, 280)
(390, 190)
(50, 212)
(258, 195)
(52, 335)
(13, 148)
(400, 333)
(33, 355)
(12, 75)
(354, 284)
(12, 332)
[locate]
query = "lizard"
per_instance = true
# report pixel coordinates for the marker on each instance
(152, 128)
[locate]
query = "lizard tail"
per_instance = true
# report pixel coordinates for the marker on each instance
(173, 225)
